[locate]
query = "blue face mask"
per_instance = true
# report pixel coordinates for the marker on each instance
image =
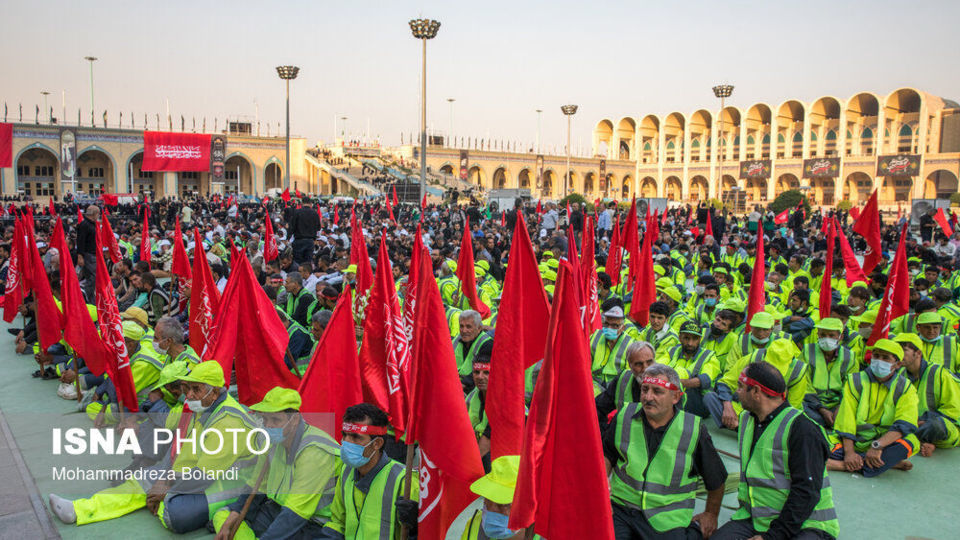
(710, 302)
(881, 369)
(275, 434)
(352, 454)
(495, 524)
(610, 333)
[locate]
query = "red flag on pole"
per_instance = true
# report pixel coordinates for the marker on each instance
(631, 241)
(503, 218)
(896, 297)
(108, 239)
(386, 201)
(868, 226)
(385, 351)
(180, 265)
(49, 318)
(449, 456)
(145, 239)
(758, 297)
(467, 274)
(332, 380)
(709, 227)
(941, 220)
(423, 201)
(250, 337)
(13, 288)
(853, 272)
(80, 334)
(615, 255)
(285, 195)
(204, 300)
(410, 299)
(360, 257)
(782, 217)
(539, 208)
(644, 288)
(53, 211)
(521, 335)
(396, 201)
(270, 249)
(559, 437)
(298, 193)
(588, 269)
(855, 213)
(826, 283)
(111, 328)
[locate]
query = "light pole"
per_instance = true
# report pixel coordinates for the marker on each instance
(722, 91)
(44, 93)
(539, 114)
(91, 59)
(450, 100)
(343, 128)
(424, 29)
(287, 73)
(569, 111)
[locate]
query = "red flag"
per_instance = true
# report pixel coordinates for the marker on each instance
(467, 274)
(423, 201)
(855, 213)
(896, 297)
(108, 239)
(80, 334)
(503, 218)
(663, 217)
(145, 240)
(270, 249)
(332, 380)
(250, 337)
(569, 215)
(111, 328)
(49, 318)
(79, 213)
(868, 226)
(53, 211)
(359, 257)
(410, 300)
(521, 335)
(588, 269)
(285, 195)
(110, 199)
(539, 208)
(758, 297)
(644, 288)
(6, 145)
(853, 272)
(781, 218)
(204, 299)
(709, 227)
(560, 438)
(631, 241)
(13, 288)
(449, 457)
(180, 266)
(941, 220)
(396, 201)
(826, 283)
(615, 255)
(165, 151)
(385, 351)
(386, 201)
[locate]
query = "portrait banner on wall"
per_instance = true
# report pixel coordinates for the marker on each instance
(898, 165)
(464, 163)
(821, 168)
(68, 153)
(758, 168)
(218, 153)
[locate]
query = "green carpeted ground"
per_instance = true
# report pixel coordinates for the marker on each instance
(916, 504)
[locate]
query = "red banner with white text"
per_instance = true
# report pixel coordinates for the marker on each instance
(177, 152)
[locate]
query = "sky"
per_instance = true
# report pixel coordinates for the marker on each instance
(500, 60)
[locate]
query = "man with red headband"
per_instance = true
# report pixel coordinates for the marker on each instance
(476, 406)
(368, 495)
(657, 451)
(784, 491)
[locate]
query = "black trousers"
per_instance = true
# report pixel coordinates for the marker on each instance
(742, 529)
(630, 524)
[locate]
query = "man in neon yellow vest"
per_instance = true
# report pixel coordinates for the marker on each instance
(367, 500)
(938, 397)
(608, 347)
(470, 343)
(829, 365)
(297, 489)
(651, 448)
(938, 348)
(784, 491)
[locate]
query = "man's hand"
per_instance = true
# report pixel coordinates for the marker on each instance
(68, 376)
(155, 496)
(407, 511)
(226, 530)
(729, 419)
(872, 458)
(828, 416)
(708, 523)
(795, 318)
(852, 461)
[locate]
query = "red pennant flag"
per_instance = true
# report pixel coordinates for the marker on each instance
(503, 218)
(285, 195)
(204, 299)
(230, 201)
(826, 283)
(588, 269)
(868, 226)
(385, 350)
(13, 288)
(423, 201)
(569, 215)
(575, 264)
(467, 274)
(855, 213)
(758, 294)
(111, 328)
(332, 380)
(631, 241)
(709, 227)
(360, 257)
(145, 240)
(250, 337)
(386, 201)
(615, 255)
(180, 265)
(782, 217)
(108, 239)
(644, 288)
(80, 334)
(298, 193)
(49, 318)
(396, 201)
(50, 208)
(941, 220)
(521, 336)
(560, 438)
(853, 272)
(270, 249)
(79, 213)
(539, 208)
(449, 456)
(896, 297)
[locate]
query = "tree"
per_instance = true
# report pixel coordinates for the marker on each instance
(788, 199)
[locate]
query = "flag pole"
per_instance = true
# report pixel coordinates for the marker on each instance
(407, 478)
(246, 505)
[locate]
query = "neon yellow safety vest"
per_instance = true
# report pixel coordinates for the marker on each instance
(828, 379)
(608, 361)
(478, 416)
(465, 363)
(375, 517)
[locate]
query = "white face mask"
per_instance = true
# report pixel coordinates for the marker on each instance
(700, 289)
(196, 405)
(829, 344)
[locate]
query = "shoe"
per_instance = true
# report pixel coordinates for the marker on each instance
(63, 509)
(49, 373)
(87, 399)
(14, 331)
(67, 391)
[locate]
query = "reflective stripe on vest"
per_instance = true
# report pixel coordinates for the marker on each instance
(698, 360)
(623, 383)
(385, 531)
(889, 404)
(465, 364)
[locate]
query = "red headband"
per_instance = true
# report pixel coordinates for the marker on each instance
(662, 384)
(481, 366)
(363, 429)
(747, 381)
